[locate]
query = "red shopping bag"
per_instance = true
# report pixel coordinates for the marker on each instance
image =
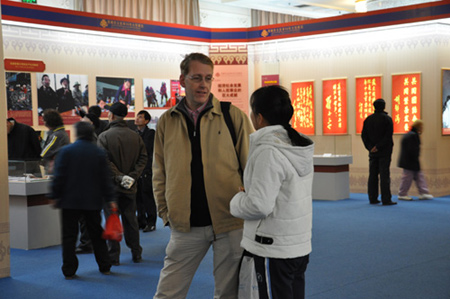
(113, 227)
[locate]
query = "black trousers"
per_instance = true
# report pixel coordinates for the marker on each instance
(85, 241)
(145, 202)
(93, 220)
(127, 210)
(379, 166)
(287, 277)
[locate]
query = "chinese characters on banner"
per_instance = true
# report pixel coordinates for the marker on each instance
(334, 102)
(303, 103)
(230, 74)
(368, 89)
(405, 101)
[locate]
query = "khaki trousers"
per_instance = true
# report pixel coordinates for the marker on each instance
(184, 253)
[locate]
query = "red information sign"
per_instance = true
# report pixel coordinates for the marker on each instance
(302, 96)
(368, 89)
(24, 65)
(334, 102)
(267, 80)
(405, 101)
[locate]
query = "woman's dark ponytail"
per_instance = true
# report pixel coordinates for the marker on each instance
(274, 104)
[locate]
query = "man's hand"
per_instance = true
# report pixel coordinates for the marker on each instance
(374, 149)
(127, 182)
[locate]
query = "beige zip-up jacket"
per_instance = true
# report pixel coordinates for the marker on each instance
(172, 171)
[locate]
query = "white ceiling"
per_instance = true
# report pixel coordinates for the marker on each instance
(311, 8)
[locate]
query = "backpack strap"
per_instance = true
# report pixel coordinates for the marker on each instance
(225, 106)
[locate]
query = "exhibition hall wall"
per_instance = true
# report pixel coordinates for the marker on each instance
(414, 48)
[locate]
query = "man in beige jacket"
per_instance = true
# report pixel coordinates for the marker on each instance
(196, 172)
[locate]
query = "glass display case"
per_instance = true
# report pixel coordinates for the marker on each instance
(20, 168)
(337, 145)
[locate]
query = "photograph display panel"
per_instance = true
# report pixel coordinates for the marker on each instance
(110, 90)
(302, 97)
(445, 101)
(18, 97)
(62, 92)
(334, 106)
(406, 98)
(368, 89)
(157, 93)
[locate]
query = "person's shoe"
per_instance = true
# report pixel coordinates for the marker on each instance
(69, 277)
(137, 259)
(149, 228)
(406, 197)
(425, 196)
(390, 203)
(375, 202)
(83, 250)
(106, 272)
(115, 263)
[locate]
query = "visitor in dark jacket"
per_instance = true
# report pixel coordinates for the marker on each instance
(409, 161)
(81, 185)
(377, 137)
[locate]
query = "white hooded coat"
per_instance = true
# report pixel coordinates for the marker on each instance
(277, 202)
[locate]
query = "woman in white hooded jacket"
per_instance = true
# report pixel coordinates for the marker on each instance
(277, 202)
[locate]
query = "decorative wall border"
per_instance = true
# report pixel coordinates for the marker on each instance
(35, 14)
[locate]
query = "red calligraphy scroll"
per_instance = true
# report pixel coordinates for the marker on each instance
(368, 89)
(406, 93)
(302, 97)
(334, 102)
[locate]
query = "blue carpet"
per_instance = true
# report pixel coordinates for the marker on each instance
(359, 251)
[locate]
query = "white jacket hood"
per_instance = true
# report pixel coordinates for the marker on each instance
(300, 157)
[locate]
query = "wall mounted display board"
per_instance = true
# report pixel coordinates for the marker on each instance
(406, 98)
(157, 93)
(445, 101)
(61, 92)
(302, 97)
(368, 89)
(334, 106)
(18, 97)
(111, 90)
(230, 74)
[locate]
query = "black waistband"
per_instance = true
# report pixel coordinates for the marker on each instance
(263, 240)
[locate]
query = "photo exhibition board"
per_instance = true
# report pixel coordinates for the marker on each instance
(18, 97)
(63, 92)
(445, 101)
(110, 90)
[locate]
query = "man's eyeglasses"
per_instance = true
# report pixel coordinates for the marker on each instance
(198, 78)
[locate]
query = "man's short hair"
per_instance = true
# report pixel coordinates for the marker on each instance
(84, 130)
(147, 115)
(96, 110)
(43, 76)
(184, 65)
(52, 118)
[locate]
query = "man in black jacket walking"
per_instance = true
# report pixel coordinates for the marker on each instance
(377, 137)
